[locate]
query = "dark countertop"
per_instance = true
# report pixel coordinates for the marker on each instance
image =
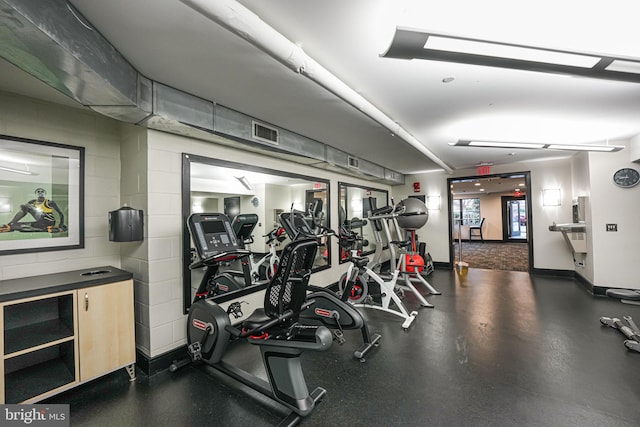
(25, 287)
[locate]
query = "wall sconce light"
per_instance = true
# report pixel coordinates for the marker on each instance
(433, 203)
(551, 197)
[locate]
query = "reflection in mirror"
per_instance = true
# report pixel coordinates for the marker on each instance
(253, 199)
(355, 204)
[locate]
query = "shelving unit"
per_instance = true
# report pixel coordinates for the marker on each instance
(51, 342)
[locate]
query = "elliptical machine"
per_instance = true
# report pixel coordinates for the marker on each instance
(275, 328)
(329, 310)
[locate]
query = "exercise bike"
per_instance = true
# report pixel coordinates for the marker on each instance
(329, 310)
(355, 283)
(265, 268)
(275, 328)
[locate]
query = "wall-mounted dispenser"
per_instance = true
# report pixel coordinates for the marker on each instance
(126, 225)
(579, 210)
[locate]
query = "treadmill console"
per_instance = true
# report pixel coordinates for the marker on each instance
(212, 233)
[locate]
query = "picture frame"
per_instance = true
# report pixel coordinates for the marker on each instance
(41, 196)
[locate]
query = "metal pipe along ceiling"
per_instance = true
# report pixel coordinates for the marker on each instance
(241, 21)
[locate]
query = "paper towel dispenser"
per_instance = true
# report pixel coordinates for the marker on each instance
(126, 225)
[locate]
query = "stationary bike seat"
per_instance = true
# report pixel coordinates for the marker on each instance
(360, 262)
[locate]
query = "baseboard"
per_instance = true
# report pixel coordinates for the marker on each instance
(552, 273)
(152, 366)
(442, 265)
(590, 287)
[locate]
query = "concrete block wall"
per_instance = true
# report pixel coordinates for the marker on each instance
(28, 118)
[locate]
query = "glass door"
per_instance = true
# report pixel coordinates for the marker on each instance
(514, 214)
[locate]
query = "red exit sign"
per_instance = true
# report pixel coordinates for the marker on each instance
(484, 170)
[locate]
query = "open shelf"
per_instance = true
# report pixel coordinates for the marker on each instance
(38, 372)
(29, 336)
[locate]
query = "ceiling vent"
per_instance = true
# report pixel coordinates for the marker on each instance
(353, 162)
(264, 133)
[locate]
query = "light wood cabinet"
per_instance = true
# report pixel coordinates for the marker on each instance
(105, 328)
(52, 342)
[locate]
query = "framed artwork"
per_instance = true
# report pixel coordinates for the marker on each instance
(41, 196)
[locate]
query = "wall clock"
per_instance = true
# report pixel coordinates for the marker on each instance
(626, 177)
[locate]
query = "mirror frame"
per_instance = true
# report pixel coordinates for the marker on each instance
(187, 159)
(342, 185)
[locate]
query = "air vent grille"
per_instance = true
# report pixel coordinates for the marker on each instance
(353, 162)
(265, 133)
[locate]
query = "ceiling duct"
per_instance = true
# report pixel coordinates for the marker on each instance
(264, 133)
(51, 40)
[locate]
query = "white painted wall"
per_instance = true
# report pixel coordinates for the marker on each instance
(167, 324)
(28, 118)
(615, 254)
(550, 250)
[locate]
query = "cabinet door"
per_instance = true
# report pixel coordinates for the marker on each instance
(106, 328)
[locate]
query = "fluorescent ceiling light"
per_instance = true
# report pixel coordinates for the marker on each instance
(605, 148)
(509, 51)
(531, 145)
(411, 43)
(505, 144)
(624, 66)
(245, 182)
(24, 172)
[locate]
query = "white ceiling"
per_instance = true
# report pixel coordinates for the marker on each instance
(170, 43)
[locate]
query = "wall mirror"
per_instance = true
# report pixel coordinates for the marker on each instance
(355, 203)
(215, 186)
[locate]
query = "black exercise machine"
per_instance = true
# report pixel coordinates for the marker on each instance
(275, 328)
(329, 310)
(227, 280)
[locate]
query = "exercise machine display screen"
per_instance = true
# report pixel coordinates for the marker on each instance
(294, 224)
(212, 234)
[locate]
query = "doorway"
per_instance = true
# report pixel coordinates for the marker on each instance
(504, 203)
(514, 218)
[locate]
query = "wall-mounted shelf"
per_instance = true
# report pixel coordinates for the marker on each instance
(575, 234)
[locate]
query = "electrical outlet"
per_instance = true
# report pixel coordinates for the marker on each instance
(612, 227)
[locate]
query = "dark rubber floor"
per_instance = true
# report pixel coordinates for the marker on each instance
(499, 349)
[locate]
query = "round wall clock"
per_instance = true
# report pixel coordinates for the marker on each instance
(626, 177)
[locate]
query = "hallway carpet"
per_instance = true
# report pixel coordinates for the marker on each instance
(494, 255)
(499, 349)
